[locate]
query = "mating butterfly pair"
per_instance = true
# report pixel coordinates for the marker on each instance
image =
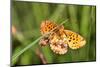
(60, 39)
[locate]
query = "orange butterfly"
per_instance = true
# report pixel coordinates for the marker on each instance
(60, 39)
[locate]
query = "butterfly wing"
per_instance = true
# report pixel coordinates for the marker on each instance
(57, 44)
(74, 40)
(46, 26)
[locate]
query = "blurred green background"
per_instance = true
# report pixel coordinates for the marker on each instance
(26, 20)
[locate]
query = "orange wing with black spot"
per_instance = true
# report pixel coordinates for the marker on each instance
(47, 26)
(74, 40)
(60, 39)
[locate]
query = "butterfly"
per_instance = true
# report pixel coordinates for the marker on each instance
(60, 39)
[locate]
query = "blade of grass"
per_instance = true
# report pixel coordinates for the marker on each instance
(17, 49)
(33, 43)
(73, 17)
(57, 13)
(40, 11)
(92, 49)
(85, 29)
(26, 58)
(23, 50)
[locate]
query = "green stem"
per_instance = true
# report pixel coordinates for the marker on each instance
(34, 42)
(23, 50)
(85, 29)
(73, 17)
(57, 13)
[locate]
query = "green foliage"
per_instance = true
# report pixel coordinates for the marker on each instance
(27, 17)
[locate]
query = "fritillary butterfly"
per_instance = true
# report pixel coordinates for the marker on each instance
(60, 39)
